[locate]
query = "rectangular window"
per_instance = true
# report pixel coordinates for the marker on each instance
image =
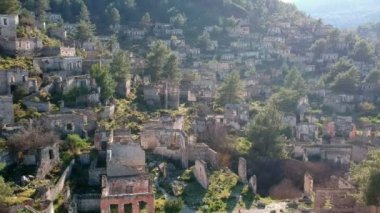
(5, 22)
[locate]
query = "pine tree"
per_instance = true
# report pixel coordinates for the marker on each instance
(157, 58)
(9, 6)
(265, 133)
(171, 69)
(85, 31)
(104, 80)
(84, 15)
(41, 7)
(231, 91)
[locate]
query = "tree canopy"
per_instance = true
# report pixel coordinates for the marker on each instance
(285, 100)
(363, 51)
(373, 76)
(157, 58)
(294, 80)
(171, 69)
(85, 31)
(265, 133)
(9, 6)
(366, 175)
(231, 91)
(346, 82)
(104, 80)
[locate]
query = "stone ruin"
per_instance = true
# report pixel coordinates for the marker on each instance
(308, 184)
(242, 170)
(253, 184)
(200, 173)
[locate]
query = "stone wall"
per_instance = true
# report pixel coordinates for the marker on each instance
(164, 151)
(7, 112)
(308, 184)
(53, 192)
(242, 170)
(87, 202)
(95, 173)
(39, 106)
(200, 173)
(201, 151)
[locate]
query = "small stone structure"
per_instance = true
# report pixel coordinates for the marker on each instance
(253, 184)
(308, 184)
(242, 170)
(200, 173)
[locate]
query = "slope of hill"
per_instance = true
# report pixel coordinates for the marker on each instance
(342, 13)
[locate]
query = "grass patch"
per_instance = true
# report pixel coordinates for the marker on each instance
(219, 191)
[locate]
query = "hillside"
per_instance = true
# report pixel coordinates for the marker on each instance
(342, 13)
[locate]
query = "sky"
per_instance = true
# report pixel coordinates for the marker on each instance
(341, 13)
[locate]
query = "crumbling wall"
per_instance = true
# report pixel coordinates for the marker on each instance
(308, 184)
(200, 173)
(87, 202)
(242, 170)
(164, 151)
(253, 184)
(54, 191)
(95, 173)
(202, 152)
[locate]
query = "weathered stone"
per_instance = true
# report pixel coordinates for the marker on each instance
(308, 184)
(242, 170)
(253, 184)
(200, 173)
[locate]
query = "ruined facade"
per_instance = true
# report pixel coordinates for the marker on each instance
(45, 158)
(242, 170)
(66, 123)
(7, 112)
(236, 115)
(200, 173)
(163, 95)
(126, 186)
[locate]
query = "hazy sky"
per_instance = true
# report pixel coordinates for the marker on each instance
(341, 13)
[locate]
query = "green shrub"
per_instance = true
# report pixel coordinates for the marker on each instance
(173, 206)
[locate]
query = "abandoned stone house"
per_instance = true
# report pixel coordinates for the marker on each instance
(12, 78)
(62, 66)
(66, 123)
(6, 112)
(162, 95)
(339, 103)
(34, 102)
(8, 26)
(21, 46)
(335, 195)
(344, 126)
(85, 83)
(340, 155)
(236, 115)
(54, 18)
(126, 186)
(306, 132)
(59, 51)
(45, 158)
(57, 32)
